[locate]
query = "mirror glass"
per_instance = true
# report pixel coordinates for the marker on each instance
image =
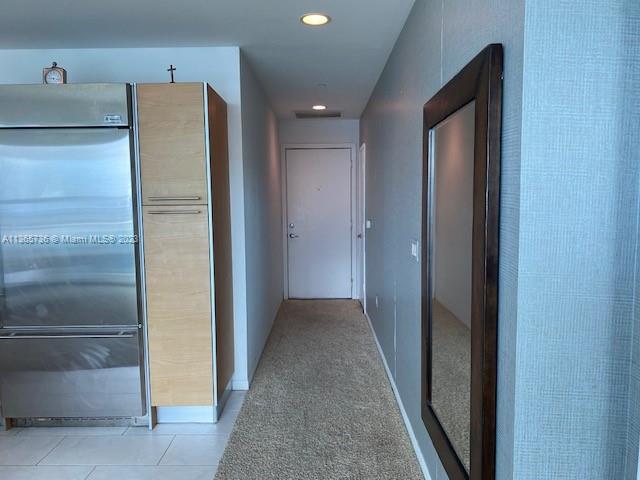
(451, 236)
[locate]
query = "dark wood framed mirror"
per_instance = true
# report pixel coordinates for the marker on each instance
(460, 232)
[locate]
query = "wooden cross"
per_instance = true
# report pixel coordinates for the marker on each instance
(171, 69)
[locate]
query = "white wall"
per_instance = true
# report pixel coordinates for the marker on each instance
(263, 216)
(319, 131)
(219, 66)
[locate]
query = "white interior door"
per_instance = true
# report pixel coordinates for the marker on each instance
(319, 235)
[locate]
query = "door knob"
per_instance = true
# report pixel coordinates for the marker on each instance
(293, 235)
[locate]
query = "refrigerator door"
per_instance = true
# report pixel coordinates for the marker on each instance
(70, 374)
(67, 236)
(69, 105)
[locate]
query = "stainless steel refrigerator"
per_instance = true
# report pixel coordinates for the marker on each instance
(70, 322)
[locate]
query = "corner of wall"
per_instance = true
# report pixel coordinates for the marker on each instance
(240, 380)
(262, 214)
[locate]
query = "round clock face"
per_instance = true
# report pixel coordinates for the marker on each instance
(53, 76)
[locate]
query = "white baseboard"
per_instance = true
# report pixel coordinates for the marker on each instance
(405, 418)
(245, 383)
(240, 384)
(204, 414)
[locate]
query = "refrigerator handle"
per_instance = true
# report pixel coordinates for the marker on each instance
(36, 336)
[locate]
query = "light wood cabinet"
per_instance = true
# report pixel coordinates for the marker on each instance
(172, 144)
(176, 245)
(182, 131)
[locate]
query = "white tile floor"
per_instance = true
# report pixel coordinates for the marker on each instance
(169, 452)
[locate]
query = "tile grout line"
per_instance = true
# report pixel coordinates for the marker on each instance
(50, 451)
(91, 472)
(166, 449)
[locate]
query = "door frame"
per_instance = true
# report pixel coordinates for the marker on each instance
(285, 250)
(361, 199)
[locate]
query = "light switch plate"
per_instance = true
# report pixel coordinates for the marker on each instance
(368, 224)
(415, 250)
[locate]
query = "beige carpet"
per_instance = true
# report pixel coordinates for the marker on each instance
(451, 378)
(320, 406)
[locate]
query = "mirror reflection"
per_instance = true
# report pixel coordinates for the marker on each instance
(451, 200)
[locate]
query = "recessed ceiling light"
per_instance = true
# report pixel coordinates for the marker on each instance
(319, 107)
(315, 19)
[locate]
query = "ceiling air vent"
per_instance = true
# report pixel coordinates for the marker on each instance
(321, 114)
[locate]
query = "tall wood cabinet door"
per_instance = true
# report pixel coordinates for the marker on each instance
(171, 132)
(178, 288)
(223, 268)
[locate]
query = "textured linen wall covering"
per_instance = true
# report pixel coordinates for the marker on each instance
(569, 347)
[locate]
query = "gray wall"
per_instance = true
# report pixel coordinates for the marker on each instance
(578, 239)
(438, 39)
(319, 131)
(569, 348)
(262, 213)
(633, 433)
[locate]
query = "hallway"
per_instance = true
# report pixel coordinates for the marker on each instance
(321, 405)
(450, 191)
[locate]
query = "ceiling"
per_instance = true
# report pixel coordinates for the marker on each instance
(337, 65)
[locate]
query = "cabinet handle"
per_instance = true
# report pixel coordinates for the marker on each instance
(175, 212)
(174, 199)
